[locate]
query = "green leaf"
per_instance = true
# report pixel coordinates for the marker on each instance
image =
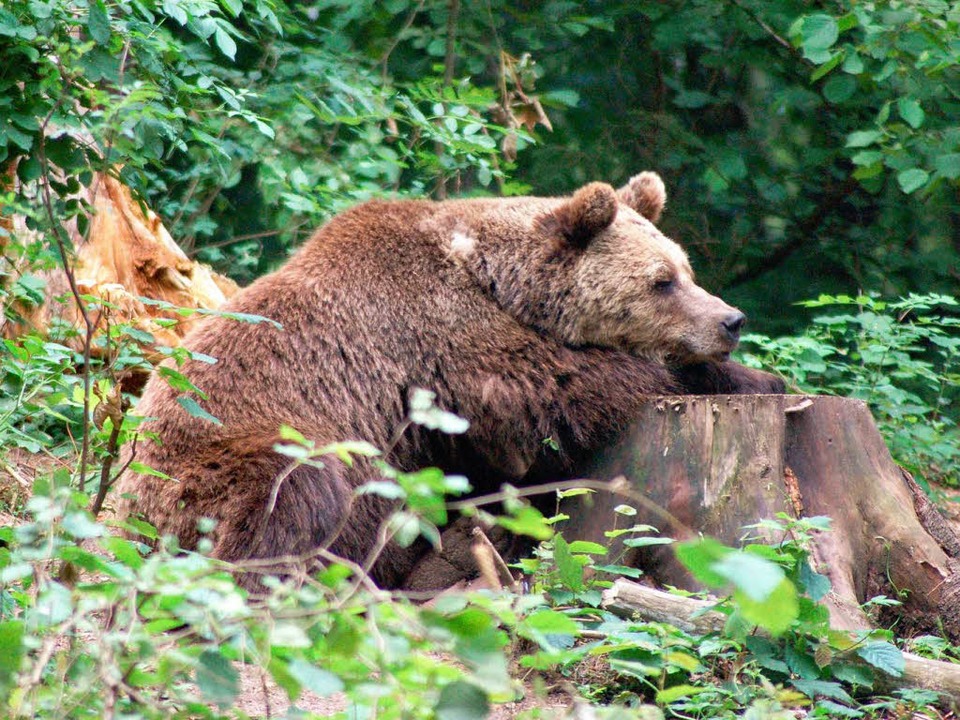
(912, 179)
(123, 550)
(11, 653)
(226, 44)
(316, 680)
(852, 63)
(591, 548)
(839, 88)
(911, 111)
(280, 672)
(948, 165)
(692, 99)
(569, 98)
(852, 674)
(868, 171)
(527, 521)
(819, 32)
(821, 688)
(234, 7)
(569, 569)
(647, 541)
(179, 381)
(143, 469)
(847, 22)
(461, 700)
(699, 557)
(289, 634)
(830, 63)
(194, 409)
(424, 412)
(574, 492)
(863, 138)
(140, 527)
(345, 450)
(98, 22)
(753, 575)
(382, 488)
(28, 169)
(665, 697)
(217, 679)
(79, 525)
(815, 584)
(550, 622)
(883, 656)
(54, 605)
(867, 157)
(775, 613)
(624, 570)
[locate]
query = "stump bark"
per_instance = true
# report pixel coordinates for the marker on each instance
(714, 464)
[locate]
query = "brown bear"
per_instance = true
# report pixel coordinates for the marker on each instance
(532, 318)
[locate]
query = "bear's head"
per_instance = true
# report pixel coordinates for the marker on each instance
(593, 269)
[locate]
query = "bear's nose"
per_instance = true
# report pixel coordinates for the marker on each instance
(732, 324)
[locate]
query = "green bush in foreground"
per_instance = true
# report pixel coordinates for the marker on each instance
(92, 626)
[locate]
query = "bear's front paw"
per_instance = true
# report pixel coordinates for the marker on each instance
(728, 378)
(758, 382)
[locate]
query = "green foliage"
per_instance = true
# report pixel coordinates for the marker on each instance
(800, 142)
(774, 588)
(180, 630)
(902, 357)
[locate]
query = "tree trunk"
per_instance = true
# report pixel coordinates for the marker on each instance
(713, 464)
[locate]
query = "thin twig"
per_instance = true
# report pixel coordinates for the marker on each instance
(266, 693)
(768, 29)
(617, 486)
(88, 323)
(385, 58)
(272, 501)
(501, 570)
(449, 68)
(113, 452)
(243, 238)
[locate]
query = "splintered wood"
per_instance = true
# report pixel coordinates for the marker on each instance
(125, 255)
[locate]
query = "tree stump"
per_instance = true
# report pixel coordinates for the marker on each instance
(713, 464)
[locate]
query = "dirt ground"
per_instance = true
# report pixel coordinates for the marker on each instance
(260, 697)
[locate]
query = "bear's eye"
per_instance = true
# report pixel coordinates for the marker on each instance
(663, 286)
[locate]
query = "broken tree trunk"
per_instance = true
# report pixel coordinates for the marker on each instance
(124, 256)
(714, 464)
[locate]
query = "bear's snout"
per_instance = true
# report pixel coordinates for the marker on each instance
(731, 325)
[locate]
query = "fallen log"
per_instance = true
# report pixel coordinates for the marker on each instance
(713, 464)
(631, 600)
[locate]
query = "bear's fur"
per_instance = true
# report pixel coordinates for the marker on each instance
(532, 318)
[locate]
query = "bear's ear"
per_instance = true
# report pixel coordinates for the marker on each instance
(646, 194)
(591, 210)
